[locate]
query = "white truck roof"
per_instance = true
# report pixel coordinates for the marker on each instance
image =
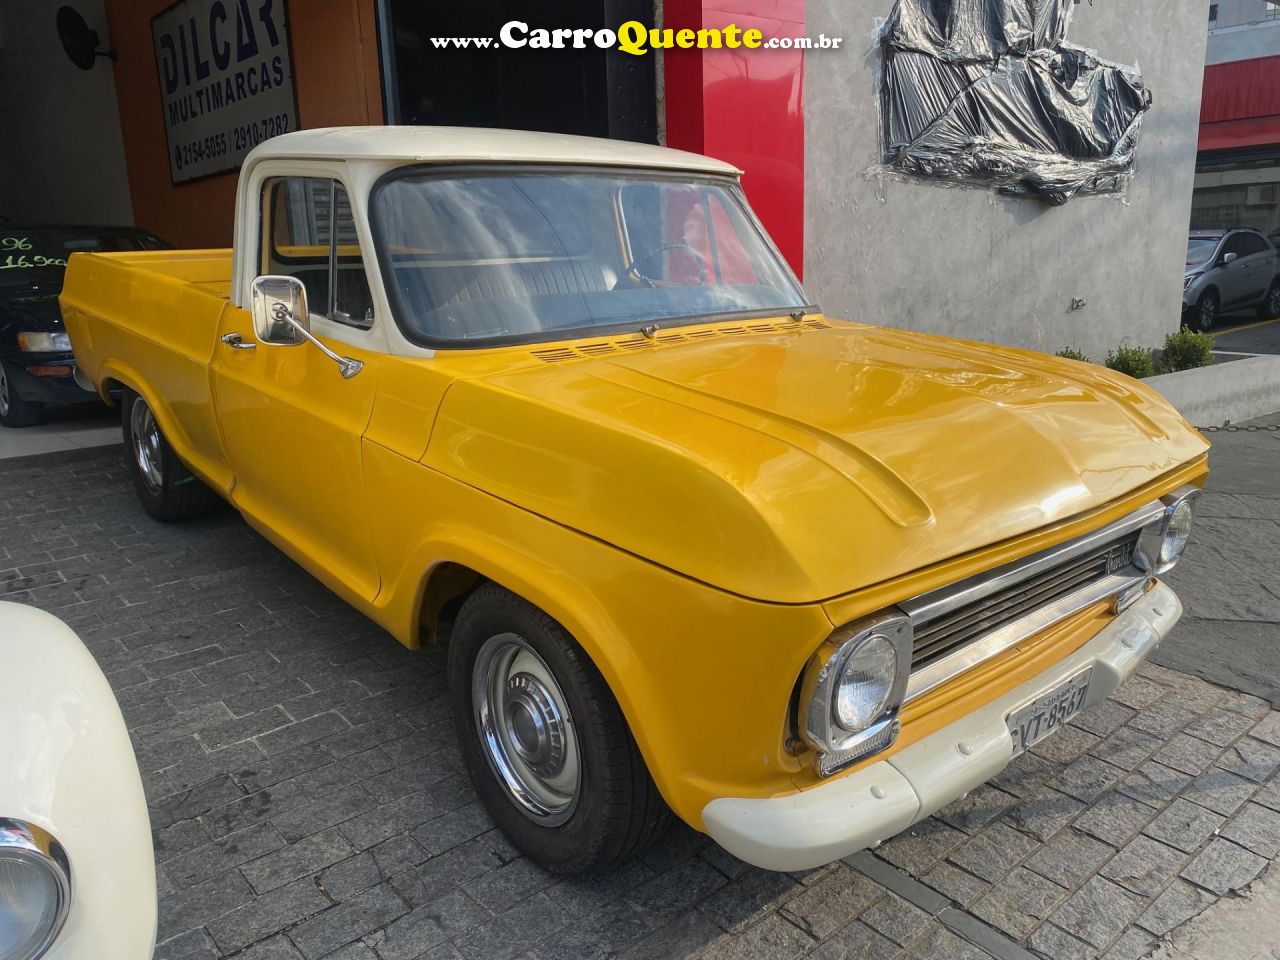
(477, 145)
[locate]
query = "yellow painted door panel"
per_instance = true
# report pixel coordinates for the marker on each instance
(292, 427)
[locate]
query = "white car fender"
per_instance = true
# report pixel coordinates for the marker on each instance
(68, 767)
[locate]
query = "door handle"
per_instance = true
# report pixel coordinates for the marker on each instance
(236, 342)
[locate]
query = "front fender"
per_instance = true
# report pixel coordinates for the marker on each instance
(703, 677)
(69, 768)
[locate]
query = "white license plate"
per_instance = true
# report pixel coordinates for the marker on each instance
(1030, 724)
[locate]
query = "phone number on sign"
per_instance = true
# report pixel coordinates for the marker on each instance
(238, 139)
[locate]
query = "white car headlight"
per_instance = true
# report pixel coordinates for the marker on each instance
(35, 890)
(1177, 531)
(44, 342)
(853, 688)
(1190, 279)
(1162, 543)
(865, 683)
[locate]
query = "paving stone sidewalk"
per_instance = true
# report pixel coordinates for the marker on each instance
(308, 799)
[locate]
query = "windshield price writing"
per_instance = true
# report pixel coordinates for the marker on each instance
(15, 260)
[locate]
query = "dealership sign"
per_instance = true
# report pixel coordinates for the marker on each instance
(226, 81)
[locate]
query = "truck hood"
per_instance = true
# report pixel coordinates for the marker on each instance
(798, 466)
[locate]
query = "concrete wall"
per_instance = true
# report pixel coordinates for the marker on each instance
(1223, 393)
(970, 264)
(1232, 13)
(1246, 42)
(62, 160)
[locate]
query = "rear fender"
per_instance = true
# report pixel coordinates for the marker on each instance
(118, 371)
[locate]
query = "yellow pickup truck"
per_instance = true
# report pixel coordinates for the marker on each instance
(693, 545)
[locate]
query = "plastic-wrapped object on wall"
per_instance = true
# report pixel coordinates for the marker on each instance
(988, 92)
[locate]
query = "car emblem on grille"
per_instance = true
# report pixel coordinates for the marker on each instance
(1119, 557)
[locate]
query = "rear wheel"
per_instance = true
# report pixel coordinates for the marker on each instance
(1269, 308)
(167, 489)
(1205, 314)
(14, 410)
(544, 740)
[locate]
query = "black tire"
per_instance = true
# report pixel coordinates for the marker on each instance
(14, 410)
(177, 493)
(1269, 308)
(618, 810)
(1205, 315)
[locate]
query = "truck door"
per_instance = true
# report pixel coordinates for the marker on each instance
(291, 424)
(1234, 277)
(1257, 257)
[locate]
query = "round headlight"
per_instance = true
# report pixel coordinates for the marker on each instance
(1177, 531)
(866, 683)
(35, 890)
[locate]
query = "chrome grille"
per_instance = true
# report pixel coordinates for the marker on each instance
(957, 628)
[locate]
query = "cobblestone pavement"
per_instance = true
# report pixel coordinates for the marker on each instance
(308, 800)
(1230, 585)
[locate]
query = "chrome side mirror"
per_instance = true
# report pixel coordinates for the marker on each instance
(1229, 257)
(280, 315)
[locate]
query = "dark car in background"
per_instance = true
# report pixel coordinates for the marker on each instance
(1229, 271)
(37, 369)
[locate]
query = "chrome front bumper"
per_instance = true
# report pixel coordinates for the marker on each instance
(850, 813)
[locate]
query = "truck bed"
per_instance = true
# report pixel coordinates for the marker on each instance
(208, 270)
(148, 321)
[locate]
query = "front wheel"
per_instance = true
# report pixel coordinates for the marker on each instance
(544, 740)
(1269, 309)
(14, 410)
(1205, 314)
(167, 489)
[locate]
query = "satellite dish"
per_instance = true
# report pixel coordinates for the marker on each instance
(79, 40)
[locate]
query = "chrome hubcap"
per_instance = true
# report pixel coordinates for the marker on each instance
(4, 393)
(526, 729)
(146, 445)
(1208, 310)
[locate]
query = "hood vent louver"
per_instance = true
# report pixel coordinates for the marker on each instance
(599, 348)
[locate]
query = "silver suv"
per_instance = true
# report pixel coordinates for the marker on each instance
(1228, 271)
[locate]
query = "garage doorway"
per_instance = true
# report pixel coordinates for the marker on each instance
(590, 92)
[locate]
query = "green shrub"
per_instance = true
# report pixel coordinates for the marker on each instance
(1186, 350)
(1134, 361)
(1072, 353)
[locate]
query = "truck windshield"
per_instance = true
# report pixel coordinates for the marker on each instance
(510, 256)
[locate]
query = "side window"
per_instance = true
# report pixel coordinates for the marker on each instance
(352, 301)
(311, 235)
(1235, 244)
(1254, 244)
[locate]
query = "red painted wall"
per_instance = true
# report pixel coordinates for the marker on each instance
(1240, 106)
(745, 107)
